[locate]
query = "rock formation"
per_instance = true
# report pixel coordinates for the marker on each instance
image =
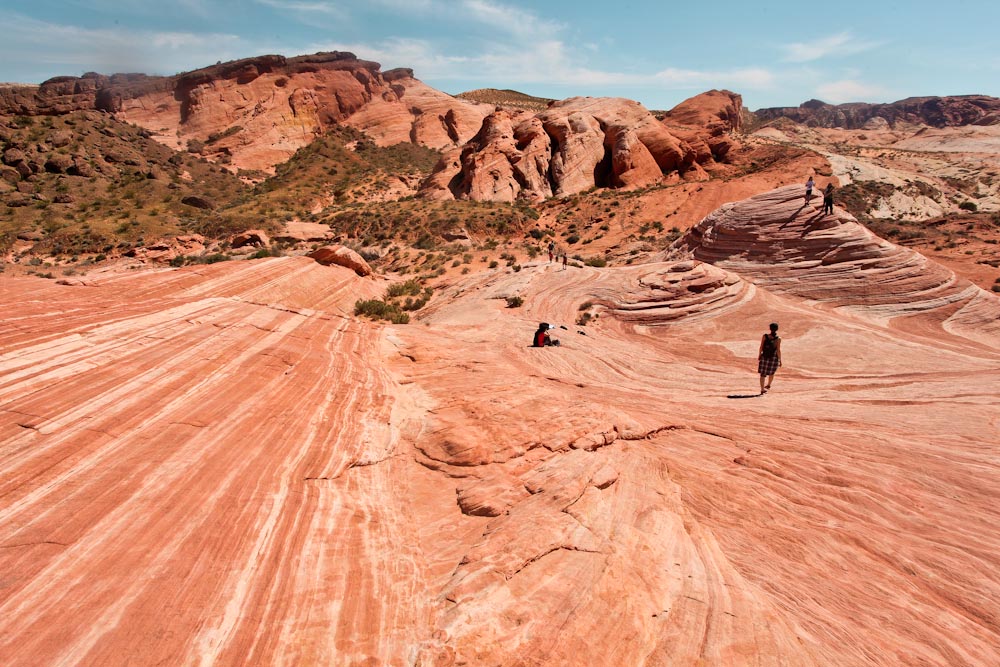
(948, 111)
(255, 113)
(574, 145)
(788, 246)
(708, 123)
(341, 256)
(221, 465)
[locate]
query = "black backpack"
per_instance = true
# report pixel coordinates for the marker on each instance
(770, 346)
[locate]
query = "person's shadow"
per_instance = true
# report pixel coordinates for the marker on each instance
(743, 395)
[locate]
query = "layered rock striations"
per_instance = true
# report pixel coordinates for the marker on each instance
(255, 113)
(220, 464)
(789, 246)
(948, 111)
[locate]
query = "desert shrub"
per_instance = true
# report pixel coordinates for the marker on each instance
(572, 238)
(515, 301)
(583, 319)
(494, 264)
(380, 310)
(411, 287)
(969, 206)
(536, 234)
(596, 261)
(586, 305)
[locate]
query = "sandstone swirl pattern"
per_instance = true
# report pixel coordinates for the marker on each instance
(220, 465)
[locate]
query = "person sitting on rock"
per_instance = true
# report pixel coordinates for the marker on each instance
(828, 199)
(542, 337)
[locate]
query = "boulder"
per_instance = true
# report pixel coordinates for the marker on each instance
(60, 138)
(9, 174)
(257, 238)
(13, 156)
(341, 256)
(198, 202)
(58, 163)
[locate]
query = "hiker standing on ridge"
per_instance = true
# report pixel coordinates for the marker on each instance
(768, 357)
(809, 188)
(552, 249)
(828, 199)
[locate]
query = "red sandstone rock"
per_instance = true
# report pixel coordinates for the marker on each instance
(221, 465)
(259, 111)
(257, 238)
(342, 256)
(570, 147)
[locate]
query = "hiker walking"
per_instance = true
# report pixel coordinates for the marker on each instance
(828, 199)
(564, 261)
(810, 184)
(552, 249)
(768, 357)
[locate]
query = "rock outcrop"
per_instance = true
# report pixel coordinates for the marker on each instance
(255, 113)
(574, 145)
(708, 122)
(788, 246)
(221, 465)
(948, 111)
(342, 256)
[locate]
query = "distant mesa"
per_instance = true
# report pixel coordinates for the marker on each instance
(952, 111)
(507, 99)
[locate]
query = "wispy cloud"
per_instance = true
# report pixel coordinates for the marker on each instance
(839, 45)
(511, 20)
(306, 7)
(850, 90)
(111, 50)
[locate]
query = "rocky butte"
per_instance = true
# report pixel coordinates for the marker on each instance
(257, 112)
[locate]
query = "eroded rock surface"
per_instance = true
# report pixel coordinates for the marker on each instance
(574, 145)
(220, 465)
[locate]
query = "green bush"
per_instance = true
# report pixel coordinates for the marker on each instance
(596, 261)
(515, 302)
(411, 287)
(380, 310)
(968, 206)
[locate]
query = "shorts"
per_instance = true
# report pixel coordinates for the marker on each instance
(768, 365)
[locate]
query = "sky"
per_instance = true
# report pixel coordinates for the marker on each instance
(656, 52)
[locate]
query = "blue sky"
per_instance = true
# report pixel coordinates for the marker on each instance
(659, 53)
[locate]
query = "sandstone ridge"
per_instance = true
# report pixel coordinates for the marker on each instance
(949, 111)
(788, 245)
(577, 144)
(255, 113)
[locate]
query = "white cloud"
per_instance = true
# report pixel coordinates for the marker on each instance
(111, 50)
(849, 90)
(511, 20)
(839, 45)
(306, 7)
